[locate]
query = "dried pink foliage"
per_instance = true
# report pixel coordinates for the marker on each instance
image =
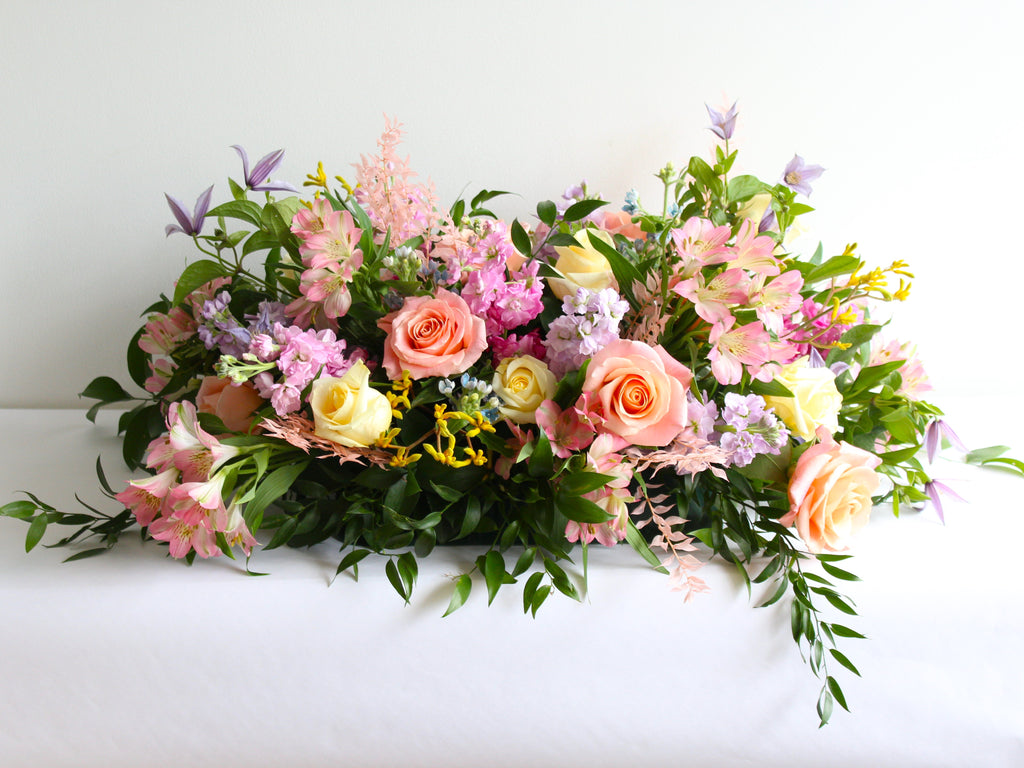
(685, 455)
(298, 431)
(674, 543)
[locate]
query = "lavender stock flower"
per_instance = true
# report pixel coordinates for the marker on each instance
(258, 179)
(798, 175)
(189, 223)
(722, 125)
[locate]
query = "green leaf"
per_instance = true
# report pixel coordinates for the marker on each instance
(824, 707)
(582, 209)
(538, 599)
(391, 570)
(445, 492)
(837, 265)
(138, 359)
(272, 487)
(105, 389)
(844, 661)
(283, 533)
(85, 554)
(579, 509)
(408, 570)
(530, 590)
(584, 481)
(836, 601)
(560, 579)
(520, 239)
(770, 388)
(839, 573)
(22, 510)
(197, 274)
(1013, 465)
(745, 187)
(981, 455)
(547, 212)
(639, 543)
(836, 691)
(244, 210)
(494, 573)
(702, 172)
(625, 271)
(525, 560)
(860, 334)
(842, 631)
(463, 585)
(35, 532)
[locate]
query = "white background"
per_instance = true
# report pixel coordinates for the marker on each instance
(914, 109)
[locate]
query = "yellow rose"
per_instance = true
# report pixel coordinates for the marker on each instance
(816, 401)
(347, 410)
(582, 266)
(523, 383)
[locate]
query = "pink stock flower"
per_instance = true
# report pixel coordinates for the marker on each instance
(733, 348)
(641, 392)
(712, 300)
(436, 336)
(514, 346)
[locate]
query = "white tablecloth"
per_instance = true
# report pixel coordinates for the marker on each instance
(135, 659)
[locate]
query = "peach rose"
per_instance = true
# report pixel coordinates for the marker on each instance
(830, 493)
(641, 392)
(436, 336)
(621, 223)
(231, 403)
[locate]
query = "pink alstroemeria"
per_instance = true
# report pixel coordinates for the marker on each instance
(184, 536)
(733, 348)
(700, 243)
(712, 300)
(338, 242)
(312, 221)
(197, 453)
(236, 532)
(146, 497)
(754, 252)
(614, 497)
(778, 299)
(328, 287)
(568, 431)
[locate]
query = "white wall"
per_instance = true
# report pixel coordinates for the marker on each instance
(914, 108)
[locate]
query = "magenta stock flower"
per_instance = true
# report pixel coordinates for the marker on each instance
(189, 222)
(798, 175)
(258, 179)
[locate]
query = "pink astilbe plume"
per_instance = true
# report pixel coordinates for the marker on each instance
(391, 199)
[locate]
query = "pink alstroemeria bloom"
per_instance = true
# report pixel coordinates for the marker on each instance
(328, 287)
(711, 300)
(236, 532)
(146, 497)
(700, 243)
(778, 299)
(338, 242)
(568, 431)
(614, 497)
(732, 348)
(754, 252)
(184, 536)
(312, 221)
(197, 453)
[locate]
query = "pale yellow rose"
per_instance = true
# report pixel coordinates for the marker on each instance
(583, 266)
(754, 209)
(816, 400)
(523, 383)
(349, 411)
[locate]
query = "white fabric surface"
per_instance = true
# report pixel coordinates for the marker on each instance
(132, 658)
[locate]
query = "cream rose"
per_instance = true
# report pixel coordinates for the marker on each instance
(816, 401)
(523, 383)
(583, 266)
(830, 493)
(349, 411)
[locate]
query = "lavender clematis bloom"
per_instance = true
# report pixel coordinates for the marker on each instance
(933, 488)
(189, 223)
(258, 179)
(798, 175)
(722, 125)
(934, 431)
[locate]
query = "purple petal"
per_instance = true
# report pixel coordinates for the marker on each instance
(815, 360)
(274, 186)
(170, 229)
(933, 493)
(245, 161)
(266, 166)
(202, 206)
(952, 436)
(931, 440)
(948, 491)
(181, 213)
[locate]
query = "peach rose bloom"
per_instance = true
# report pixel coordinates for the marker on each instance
(621, 223)
(233, 404)
(641, 392)
(436, 336)
(830, 493)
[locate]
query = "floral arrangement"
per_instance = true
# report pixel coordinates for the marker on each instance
(364, 365)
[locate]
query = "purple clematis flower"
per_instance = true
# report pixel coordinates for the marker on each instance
(934, 431)
(722, 125)
(258, 179)
(933, 488)
(798, 175)
(189, 223)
